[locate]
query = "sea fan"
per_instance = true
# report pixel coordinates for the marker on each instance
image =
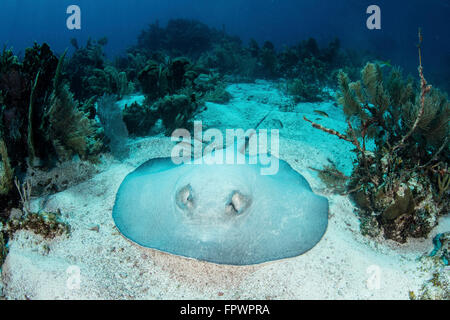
(69, 129)
(111, 118)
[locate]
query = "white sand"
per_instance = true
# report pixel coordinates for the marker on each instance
(340, 266)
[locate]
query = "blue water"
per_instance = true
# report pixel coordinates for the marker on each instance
(189, 210)
(280, 21)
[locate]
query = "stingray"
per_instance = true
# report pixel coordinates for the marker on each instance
(220, 213)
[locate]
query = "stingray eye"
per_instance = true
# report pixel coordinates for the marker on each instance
(185, 197)
(237, 204)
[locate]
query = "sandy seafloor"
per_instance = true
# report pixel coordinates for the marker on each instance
(343, 265)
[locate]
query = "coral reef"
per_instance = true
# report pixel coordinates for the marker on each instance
(175, 111)
(110, 81)
(188, 58)
(229, 57)
(81, 67)
(139, 119)
(179, 37)
(160, 79)
(40, 118)
(90, 74)
(302, 91)
(173, 89)
(218, 51)
(400, 187)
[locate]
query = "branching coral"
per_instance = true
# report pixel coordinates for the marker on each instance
(24, 190)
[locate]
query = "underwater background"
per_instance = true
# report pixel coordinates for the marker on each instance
(282, 22)
(359, 125)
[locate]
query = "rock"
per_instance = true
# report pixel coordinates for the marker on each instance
(403, 204)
